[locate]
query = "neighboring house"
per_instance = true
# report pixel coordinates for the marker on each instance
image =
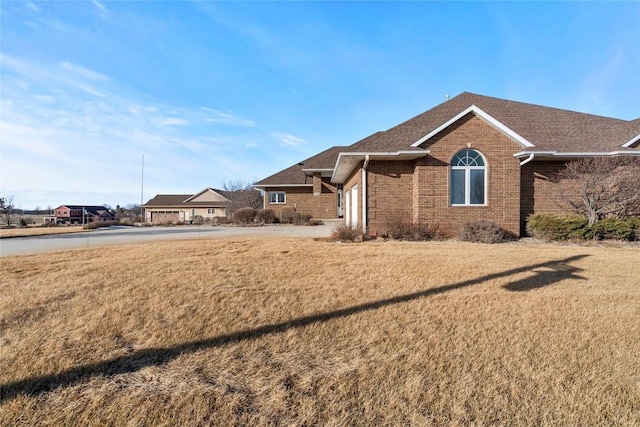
(173, 208)
(78, 214)
(472, 157)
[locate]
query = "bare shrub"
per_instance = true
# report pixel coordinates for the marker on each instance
(287, 215)
(345, 233)
(244, 216)
(484, 231)
(197, 220)
(265, 216)
(600, 187)
(300, 218)
(400, 227)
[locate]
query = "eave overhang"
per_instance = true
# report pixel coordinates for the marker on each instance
(325, 173)
(632, 141)
(263, 186)
(555, 155)
(480, 113)
(347, 162)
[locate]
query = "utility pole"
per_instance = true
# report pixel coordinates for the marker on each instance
(142, 193)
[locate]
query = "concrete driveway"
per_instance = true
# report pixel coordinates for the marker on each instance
(122, 235)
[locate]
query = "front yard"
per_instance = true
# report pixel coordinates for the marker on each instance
(295, 331)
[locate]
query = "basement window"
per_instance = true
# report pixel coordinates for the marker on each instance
(277, 197)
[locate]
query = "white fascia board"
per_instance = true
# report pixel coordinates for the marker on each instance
(197, 194)
(282, 185)
(477, 111)
(577, 154)
(631, 141)
(373, 155)
(323, 172)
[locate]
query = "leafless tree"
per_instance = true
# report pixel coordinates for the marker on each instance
(242, 195)
(598, 187)
(6, 208)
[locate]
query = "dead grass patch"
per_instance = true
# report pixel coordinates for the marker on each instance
(263, 331)
(38, 231)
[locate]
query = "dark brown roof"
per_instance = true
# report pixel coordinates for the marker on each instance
(294, 175)
(548, 129)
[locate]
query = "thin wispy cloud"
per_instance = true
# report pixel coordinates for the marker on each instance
(214, 91)
(288, 140)
(79, 128)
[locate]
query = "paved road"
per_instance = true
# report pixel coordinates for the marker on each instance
(122, 235)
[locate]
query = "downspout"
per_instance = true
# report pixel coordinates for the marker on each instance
(364, 194)
(527, 160)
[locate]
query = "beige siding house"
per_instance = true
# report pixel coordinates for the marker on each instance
(173, 208)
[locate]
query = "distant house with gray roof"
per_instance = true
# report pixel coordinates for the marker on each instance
(472, 157)
(173, 208)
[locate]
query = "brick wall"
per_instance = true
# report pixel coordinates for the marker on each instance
(420, 189)
(318, 200)
(539, 191)
(390, 193)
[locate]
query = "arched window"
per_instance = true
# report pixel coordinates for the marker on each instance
(468, 179)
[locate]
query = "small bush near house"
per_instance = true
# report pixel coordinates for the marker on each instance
(484, 231)
(344, 233)
(548, 226)
(400, 227)
(300, 218)
(244, 216)
(265, 216)
(197, 220)
(286, 215)
(565, 227)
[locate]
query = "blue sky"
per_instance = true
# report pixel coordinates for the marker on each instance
(211, 92)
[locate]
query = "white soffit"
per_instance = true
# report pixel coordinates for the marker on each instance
(478, 112)
(348, 161)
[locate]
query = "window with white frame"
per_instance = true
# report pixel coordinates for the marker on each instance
(468, 185)
(211, 211)
(277, 197)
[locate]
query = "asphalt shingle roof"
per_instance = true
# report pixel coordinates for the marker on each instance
(294, 175)
(547, 128)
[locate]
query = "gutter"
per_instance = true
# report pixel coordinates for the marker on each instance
(364, 194)
(527, 160)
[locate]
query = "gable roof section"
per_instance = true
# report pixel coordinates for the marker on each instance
(300, 174)
(547, 131)
(208, 195)
(533, 126)
(186, 200)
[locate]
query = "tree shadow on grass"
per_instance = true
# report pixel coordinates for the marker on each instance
(159, 356)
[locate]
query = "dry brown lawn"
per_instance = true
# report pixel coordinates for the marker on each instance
(257, 331)
(38, 231)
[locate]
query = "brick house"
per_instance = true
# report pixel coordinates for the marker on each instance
(209, 204)
(472, 157)
(79, 214)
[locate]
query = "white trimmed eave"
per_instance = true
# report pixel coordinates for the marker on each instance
(347, 162)
(325, 173)
(263, 186)
(632, 141)
(480, 113)
(555, 155)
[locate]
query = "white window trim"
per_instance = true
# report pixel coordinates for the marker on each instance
(284, 194)
(467, 183)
